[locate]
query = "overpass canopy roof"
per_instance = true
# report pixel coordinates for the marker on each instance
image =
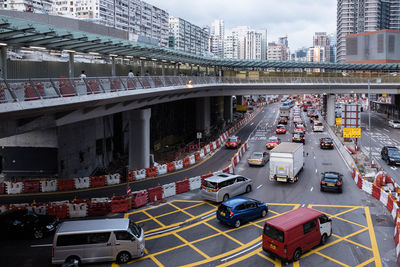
(18, 32)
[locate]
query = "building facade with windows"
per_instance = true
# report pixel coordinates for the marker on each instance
(277, 51)
(42, 6)
(216, 39)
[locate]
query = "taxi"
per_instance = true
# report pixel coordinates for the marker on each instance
(300, 128)
(280, 129)
(282, 120)
(233, 142)
(298, 137)
(272, 142)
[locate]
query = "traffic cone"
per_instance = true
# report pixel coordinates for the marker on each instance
(372, 163)
(163, 198)
(155, 203)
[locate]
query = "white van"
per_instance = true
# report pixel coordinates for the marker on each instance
(97, 241)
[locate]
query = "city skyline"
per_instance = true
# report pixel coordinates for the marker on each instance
(300, 21)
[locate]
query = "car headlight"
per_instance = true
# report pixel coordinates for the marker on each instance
(49, 226)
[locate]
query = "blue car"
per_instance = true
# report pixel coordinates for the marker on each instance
(238, 210)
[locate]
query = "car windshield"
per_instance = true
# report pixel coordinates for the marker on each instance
(394, 152)
(273, 139)
(209, 184)
(331, 175)
(232, 139)
(330, 180)
(273, 233)
(280, 126)
(257, 155)
(300, 126)
(318, 124)
(224, 208)
(327, 140)
(135, 229)
(297, 135)
(396, 121)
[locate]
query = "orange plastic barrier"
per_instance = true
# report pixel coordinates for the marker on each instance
(186, 162)
(170, 167)
(376, 192)
(389, 204)
(131, 176)
(226, 170)
(359, 181)
(97, 181)
(58, 211)
(98, 209)
(66, 184)
(153, 192)
(182, 186)
(31, 186)
(197, 156)
(151, 172)
(118, 206)
(139, 199)
(79, 201)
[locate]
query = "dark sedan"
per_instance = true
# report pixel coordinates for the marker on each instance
(331, 181)
(326, 142)
(26, 223)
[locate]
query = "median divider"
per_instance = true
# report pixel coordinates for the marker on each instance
(82, 182)
(140, 174)
(119, 206)
(139, 198)
(31, 186)
(195, 183)
(182, 186)
(66, 184)
(154, 194)
(170, 167)
(169, 189)
(186, 162)
(14, 187)
(162, 169)
(113, 179)
(48, 185)
(192, 160)
(178, 164)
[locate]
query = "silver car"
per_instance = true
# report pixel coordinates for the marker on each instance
(223, 186)
(394, 124)
(258, 158)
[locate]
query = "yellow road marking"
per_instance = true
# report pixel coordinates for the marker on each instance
(348, 221)
(354, 243)
(156, 261)
(375, 249)
(277, 262)
(224, 234)
(182, 210)
(296, 264)
(334, 206)
(366, 262)
(247, 255)
(331, 259)
(154, 219)
(192, 246)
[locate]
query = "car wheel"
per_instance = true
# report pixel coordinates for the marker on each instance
(322, 190)
(73, 261)
(226, 197)
(324, 238)
(123, 257)
(248, 189)
(297, 254)
(264, 213)
(237, 223)
(38, 233)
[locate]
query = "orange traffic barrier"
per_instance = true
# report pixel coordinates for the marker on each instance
(66, 184)
(170, 167)
(153, 193)
(97, 181)
(98, 209)
(186, 162)
(139, 199)
(182, 186)
(31, 186)
(58, 211)
(197, 156)
(118, 206)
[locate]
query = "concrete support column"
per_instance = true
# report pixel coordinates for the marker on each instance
(203, 115)
(207, 70)
(175, 70)
(113, 71)
(162, 69)
(215, 70)
(330, 110)
(228, 108)
(71, 64)
(179, 69)
(198, 70)
(139, 138)
(3, 59)
(239, 100)
(191, 70)
(220, 72)
(141, 68)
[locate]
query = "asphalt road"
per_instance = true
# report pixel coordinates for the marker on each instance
(216, 162)
(184, 231)
(380, 135)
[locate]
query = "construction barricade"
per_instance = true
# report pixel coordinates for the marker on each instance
(192, 160)
(48, 186)
(140, 174)
(98, 209)
(376, 192)
(162, 169)
(66, 184)
(139, 199)
(367, 187)
(359, 181)
(113, 179)
(82, 182)
(99, 200)
(155, 194)
(2, 188)
(118, 206)
(186, 162)
(214, 145)
(178, 164)
(389, 204)
(170, 167)
(384, 197)
(151, 172)
(97, 181)
(197, 156)
(182, 186)
(39, 208)
(76, 210)
(3, 208)
(31, 186)
(195, 183)
(14, 188)
(19, 206)
(202, 153)
(169, 189)
(131, 176)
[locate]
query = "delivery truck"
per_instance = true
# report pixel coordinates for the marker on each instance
(284, 111)
(286, 161)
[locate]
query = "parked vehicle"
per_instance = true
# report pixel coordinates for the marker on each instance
(258, 158)
(238, 210)
(26, 224)
(100, 240)
(222, 186)
(331, 181)
(280, 129)
(391, 155)
(326, 142)
(289, 235)
(298, 137)
(233, 142)
(272, 142)
(318, 126)
(286, 161)
(394, 124)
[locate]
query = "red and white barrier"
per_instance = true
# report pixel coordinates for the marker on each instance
(367, 187)
(14, 188)
(113, 179)
(162, 169)
(178, 164)
(19, 206)
(202, 153)
(169, 189)
(42, 209)
(100, 200)
(48, 186)
(77, 210)
(82, 183)
(195, 183)
(140, 174)
(3, 208)
(192, 160)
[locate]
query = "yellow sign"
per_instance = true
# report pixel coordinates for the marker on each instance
(241, 108)
(384, 95)
(351, 132)
(338, 121)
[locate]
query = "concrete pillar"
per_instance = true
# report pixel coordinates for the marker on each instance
(228, 108)
(71, 64)
(203, 115)
(139, 138)
(215, 70)
(175, 70)
(141, 68)
(162, 69)
(179, 68)
(330, 110)
(198, 70)
(191, 70)
(220, 72)
(239, 100)
(206, 70)
(3, 59)
(113, 71)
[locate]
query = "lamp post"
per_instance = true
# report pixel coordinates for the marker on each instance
(369, 118)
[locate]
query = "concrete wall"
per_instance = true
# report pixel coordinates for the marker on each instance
(42, 138)
(85, 145)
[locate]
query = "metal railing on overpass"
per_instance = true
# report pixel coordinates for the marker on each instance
(18, 90)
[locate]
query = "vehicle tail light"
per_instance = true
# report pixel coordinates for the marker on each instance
(339, 183)
(292, 138)
(231, 213)
(322, 143)
(302, 138)
(203, 186)
(322, 182)
(331, 144)
(215, 189)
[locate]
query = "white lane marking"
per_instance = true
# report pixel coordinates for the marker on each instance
(258, 187)
(44, 245)
(251, 123)
(386, 130)
(393, 168)
(166, 230)
(303, 205)
(312, 188)
(208, 215)
(243, 251)
(314, 157)
(316, 170)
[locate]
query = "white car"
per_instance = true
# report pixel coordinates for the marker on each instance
(318, 126)
(394, 124)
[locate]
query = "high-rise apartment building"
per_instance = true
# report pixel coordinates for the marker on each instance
(321, 43)
(356, 16)
(185, 36)
(264, 43)
(216, 40)
(42, 6)
(277, 51)
(231, 47)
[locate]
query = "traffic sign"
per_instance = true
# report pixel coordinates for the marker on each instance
(198, 135)
(351, 132)
(241, 108)
(338, 121)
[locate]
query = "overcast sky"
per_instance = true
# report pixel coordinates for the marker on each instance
(299, 19)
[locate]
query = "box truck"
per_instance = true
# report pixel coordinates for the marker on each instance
(284, 111)
(286, 161)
